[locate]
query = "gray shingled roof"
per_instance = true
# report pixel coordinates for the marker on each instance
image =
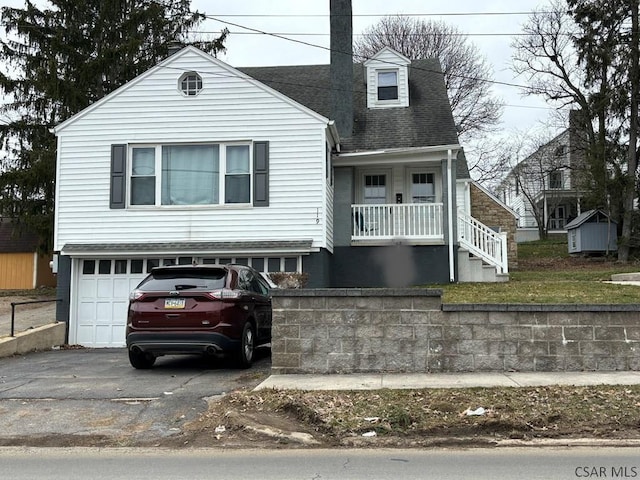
(298, 245)
(462, 165)
(426, 122)
(584, 217)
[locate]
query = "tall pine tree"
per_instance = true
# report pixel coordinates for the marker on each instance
(58, 60)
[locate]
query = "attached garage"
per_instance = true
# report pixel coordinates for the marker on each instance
(100, 286)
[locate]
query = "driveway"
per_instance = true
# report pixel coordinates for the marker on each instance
(94, 397)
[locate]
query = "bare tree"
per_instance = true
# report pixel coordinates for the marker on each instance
(467, 73)
(583, 53)
(487, 161)
(540, 180)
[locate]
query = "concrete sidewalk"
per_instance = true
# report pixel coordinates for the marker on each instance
(446, 380)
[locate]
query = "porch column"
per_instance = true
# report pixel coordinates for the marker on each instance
(451, 169)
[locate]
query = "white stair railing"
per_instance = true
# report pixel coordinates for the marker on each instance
(483, 242)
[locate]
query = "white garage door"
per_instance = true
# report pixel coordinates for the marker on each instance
(99, 317)
(102, 298)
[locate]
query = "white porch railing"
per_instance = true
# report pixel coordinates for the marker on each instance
(483, 242)
(413, 221)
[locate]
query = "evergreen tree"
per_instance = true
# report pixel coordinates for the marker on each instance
(58, 60)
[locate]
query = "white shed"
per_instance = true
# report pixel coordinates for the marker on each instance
(592, 232)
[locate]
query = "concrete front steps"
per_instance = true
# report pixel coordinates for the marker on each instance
(473, 269)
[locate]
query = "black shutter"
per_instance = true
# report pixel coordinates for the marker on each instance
(118, 176)
(261, 174)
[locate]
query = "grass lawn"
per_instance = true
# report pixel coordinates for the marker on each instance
(546, 273)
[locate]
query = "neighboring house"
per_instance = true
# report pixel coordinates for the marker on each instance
(21, 266)
(347, 173)
(543, 189)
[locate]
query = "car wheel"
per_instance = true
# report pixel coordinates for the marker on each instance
(141, 360)
(247, 345)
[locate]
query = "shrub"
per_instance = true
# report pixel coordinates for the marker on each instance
(289, 280)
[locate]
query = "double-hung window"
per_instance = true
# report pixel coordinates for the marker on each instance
(237, 182)
(555, 180)
(143, 176)
(206, 174)
(388, 85)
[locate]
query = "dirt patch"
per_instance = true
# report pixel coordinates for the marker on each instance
(29, 315)
(567, 263)
(416, 418)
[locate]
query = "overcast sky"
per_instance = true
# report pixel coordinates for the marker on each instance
(490, 25)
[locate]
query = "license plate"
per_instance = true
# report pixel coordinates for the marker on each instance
(174, 303)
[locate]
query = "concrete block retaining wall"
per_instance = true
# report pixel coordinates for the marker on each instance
(409, 330)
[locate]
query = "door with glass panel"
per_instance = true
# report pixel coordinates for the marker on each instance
(371, 217)
(417, 216)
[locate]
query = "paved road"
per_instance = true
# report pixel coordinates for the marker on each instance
(477, 464)
(98, 394)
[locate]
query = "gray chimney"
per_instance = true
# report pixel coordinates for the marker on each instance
(174, 47)
(341, 70)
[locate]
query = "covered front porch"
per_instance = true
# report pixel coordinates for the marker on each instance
(408, 197)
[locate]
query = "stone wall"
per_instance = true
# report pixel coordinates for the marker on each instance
(492, 214)
(408, 330)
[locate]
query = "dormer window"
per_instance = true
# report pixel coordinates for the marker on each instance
(388, 85)
(387, 78)
(190, 84)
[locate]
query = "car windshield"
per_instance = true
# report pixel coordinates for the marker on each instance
(179, 279)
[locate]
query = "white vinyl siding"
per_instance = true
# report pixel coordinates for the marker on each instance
(385, 62)
(228, 109)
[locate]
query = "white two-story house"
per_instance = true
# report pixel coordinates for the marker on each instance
(544, 189)
(349, 173)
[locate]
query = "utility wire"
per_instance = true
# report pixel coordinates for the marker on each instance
(268, 82)
(309, 44)
(325, 15)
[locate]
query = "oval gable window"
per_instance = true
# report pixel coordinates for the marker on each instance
(190, 83)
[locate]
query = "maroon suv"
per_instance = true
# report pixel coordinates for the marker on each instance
(198, 309)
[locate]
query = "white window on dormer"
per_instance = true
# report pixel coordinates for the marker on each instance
(388, 85)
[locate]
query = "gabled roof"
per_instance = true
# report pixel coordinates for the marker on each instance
(13, 242)
(402, 60)
(585, 217)
(166, 63)
(427, 121)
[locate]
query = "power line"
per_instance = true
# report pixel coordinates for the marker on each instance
(268, 81)
(326, 15)
(308, 34)
(322, 47)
